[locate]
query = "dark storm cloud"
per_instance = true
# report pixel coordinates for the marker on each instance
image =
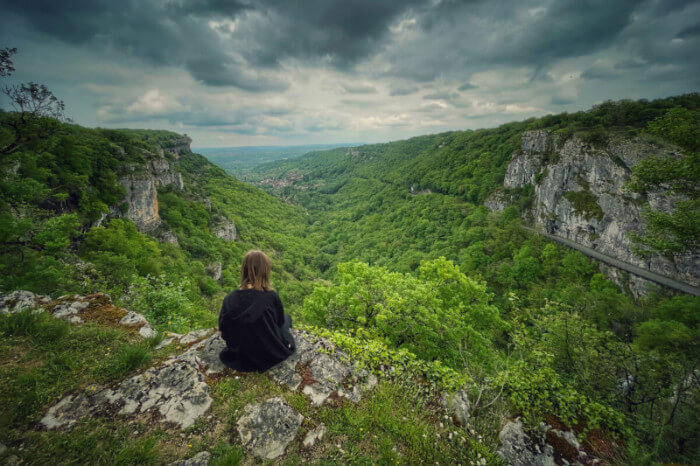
(241, 43)
(194, 34)
(690, 31)
(349, 65)
(343, 32)
(597, 72)
(474, 35)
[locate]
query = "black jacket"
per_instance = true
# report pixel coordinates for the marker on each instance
(256, 330)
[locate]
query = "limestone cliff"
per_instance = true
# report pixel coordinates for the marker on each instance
(579, 195)
(142, 181)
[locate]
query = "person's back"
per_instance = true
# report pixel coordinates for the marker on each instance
(252, 320)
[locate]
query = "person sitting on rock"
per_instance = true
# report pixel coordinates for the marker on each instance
(252, 321)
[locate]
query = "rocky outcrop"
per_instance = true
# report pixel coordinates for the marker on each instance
(314, 436)
(224, 228)
(200, 459)
(267, 428)
(322, 372)
(176, 390)
(21, 300)
(178, 146)
(78, 309)
(548, 447)
(141, 196)
(457, 405)
(214, 270)
(580, 195)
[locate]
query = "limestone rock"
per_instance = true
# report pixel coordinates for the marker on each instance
(205, 354)
(195, 335)
(557, 167)
(72, 408)
(224, 228)
(214, 270)
(518, 449)
(326, 371)
(187, 339)
(140, 185)
(496, 202)
(177, 390)
(200, 459)
(314, 436)
(20, 300)
(267, 428)
(134, 319)
(457, 405)
(70, 310)
(178, 146)
(554, 446)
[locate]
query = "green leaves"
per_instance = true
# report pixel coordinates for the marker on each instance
(55, 234)
(441, 314)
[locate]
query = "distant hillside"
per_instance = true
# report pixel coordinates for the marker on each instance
(238, 161)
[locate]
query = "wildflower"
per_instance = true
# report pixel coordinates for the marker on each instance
(189, 446)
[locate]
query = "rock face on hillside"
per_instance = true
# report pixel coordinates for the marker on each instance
(224, 228)
(178, 146)
(141, 184)
(579, 195)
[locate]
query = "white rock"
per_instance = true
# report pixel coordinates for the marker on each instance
(20, 300)
(147, 331)
(314, 436)
(133, 318)
(200, 459)
(267, 428)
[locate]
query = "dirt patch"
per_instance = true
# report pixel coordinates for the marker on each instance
(600, 444)
(307, 377)
(334, 400)
(105, 313)
(562, 448)
(555, 422)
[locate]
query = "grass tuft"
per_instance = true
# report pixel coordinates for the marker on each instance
(129, 358)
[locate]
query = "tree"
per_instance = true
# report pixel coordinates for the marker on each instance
(34, 106)
(6, 65)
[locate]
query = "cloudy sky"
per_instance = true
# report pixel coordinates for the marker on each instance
(252, 72)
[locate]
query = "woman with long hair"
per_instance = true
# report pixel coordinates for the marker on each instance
(252, 320)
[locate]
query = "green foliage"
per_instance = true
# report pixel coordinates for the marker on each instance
(396, 364)
(171, 306)
(585, 203)
(680, 126)
(441, 314)
(539, 389)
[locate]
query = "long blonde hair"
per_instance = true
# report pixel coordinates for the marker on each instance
(255, 271)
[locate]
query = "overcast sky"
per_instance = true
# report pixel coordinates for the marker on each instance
(253, 72)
